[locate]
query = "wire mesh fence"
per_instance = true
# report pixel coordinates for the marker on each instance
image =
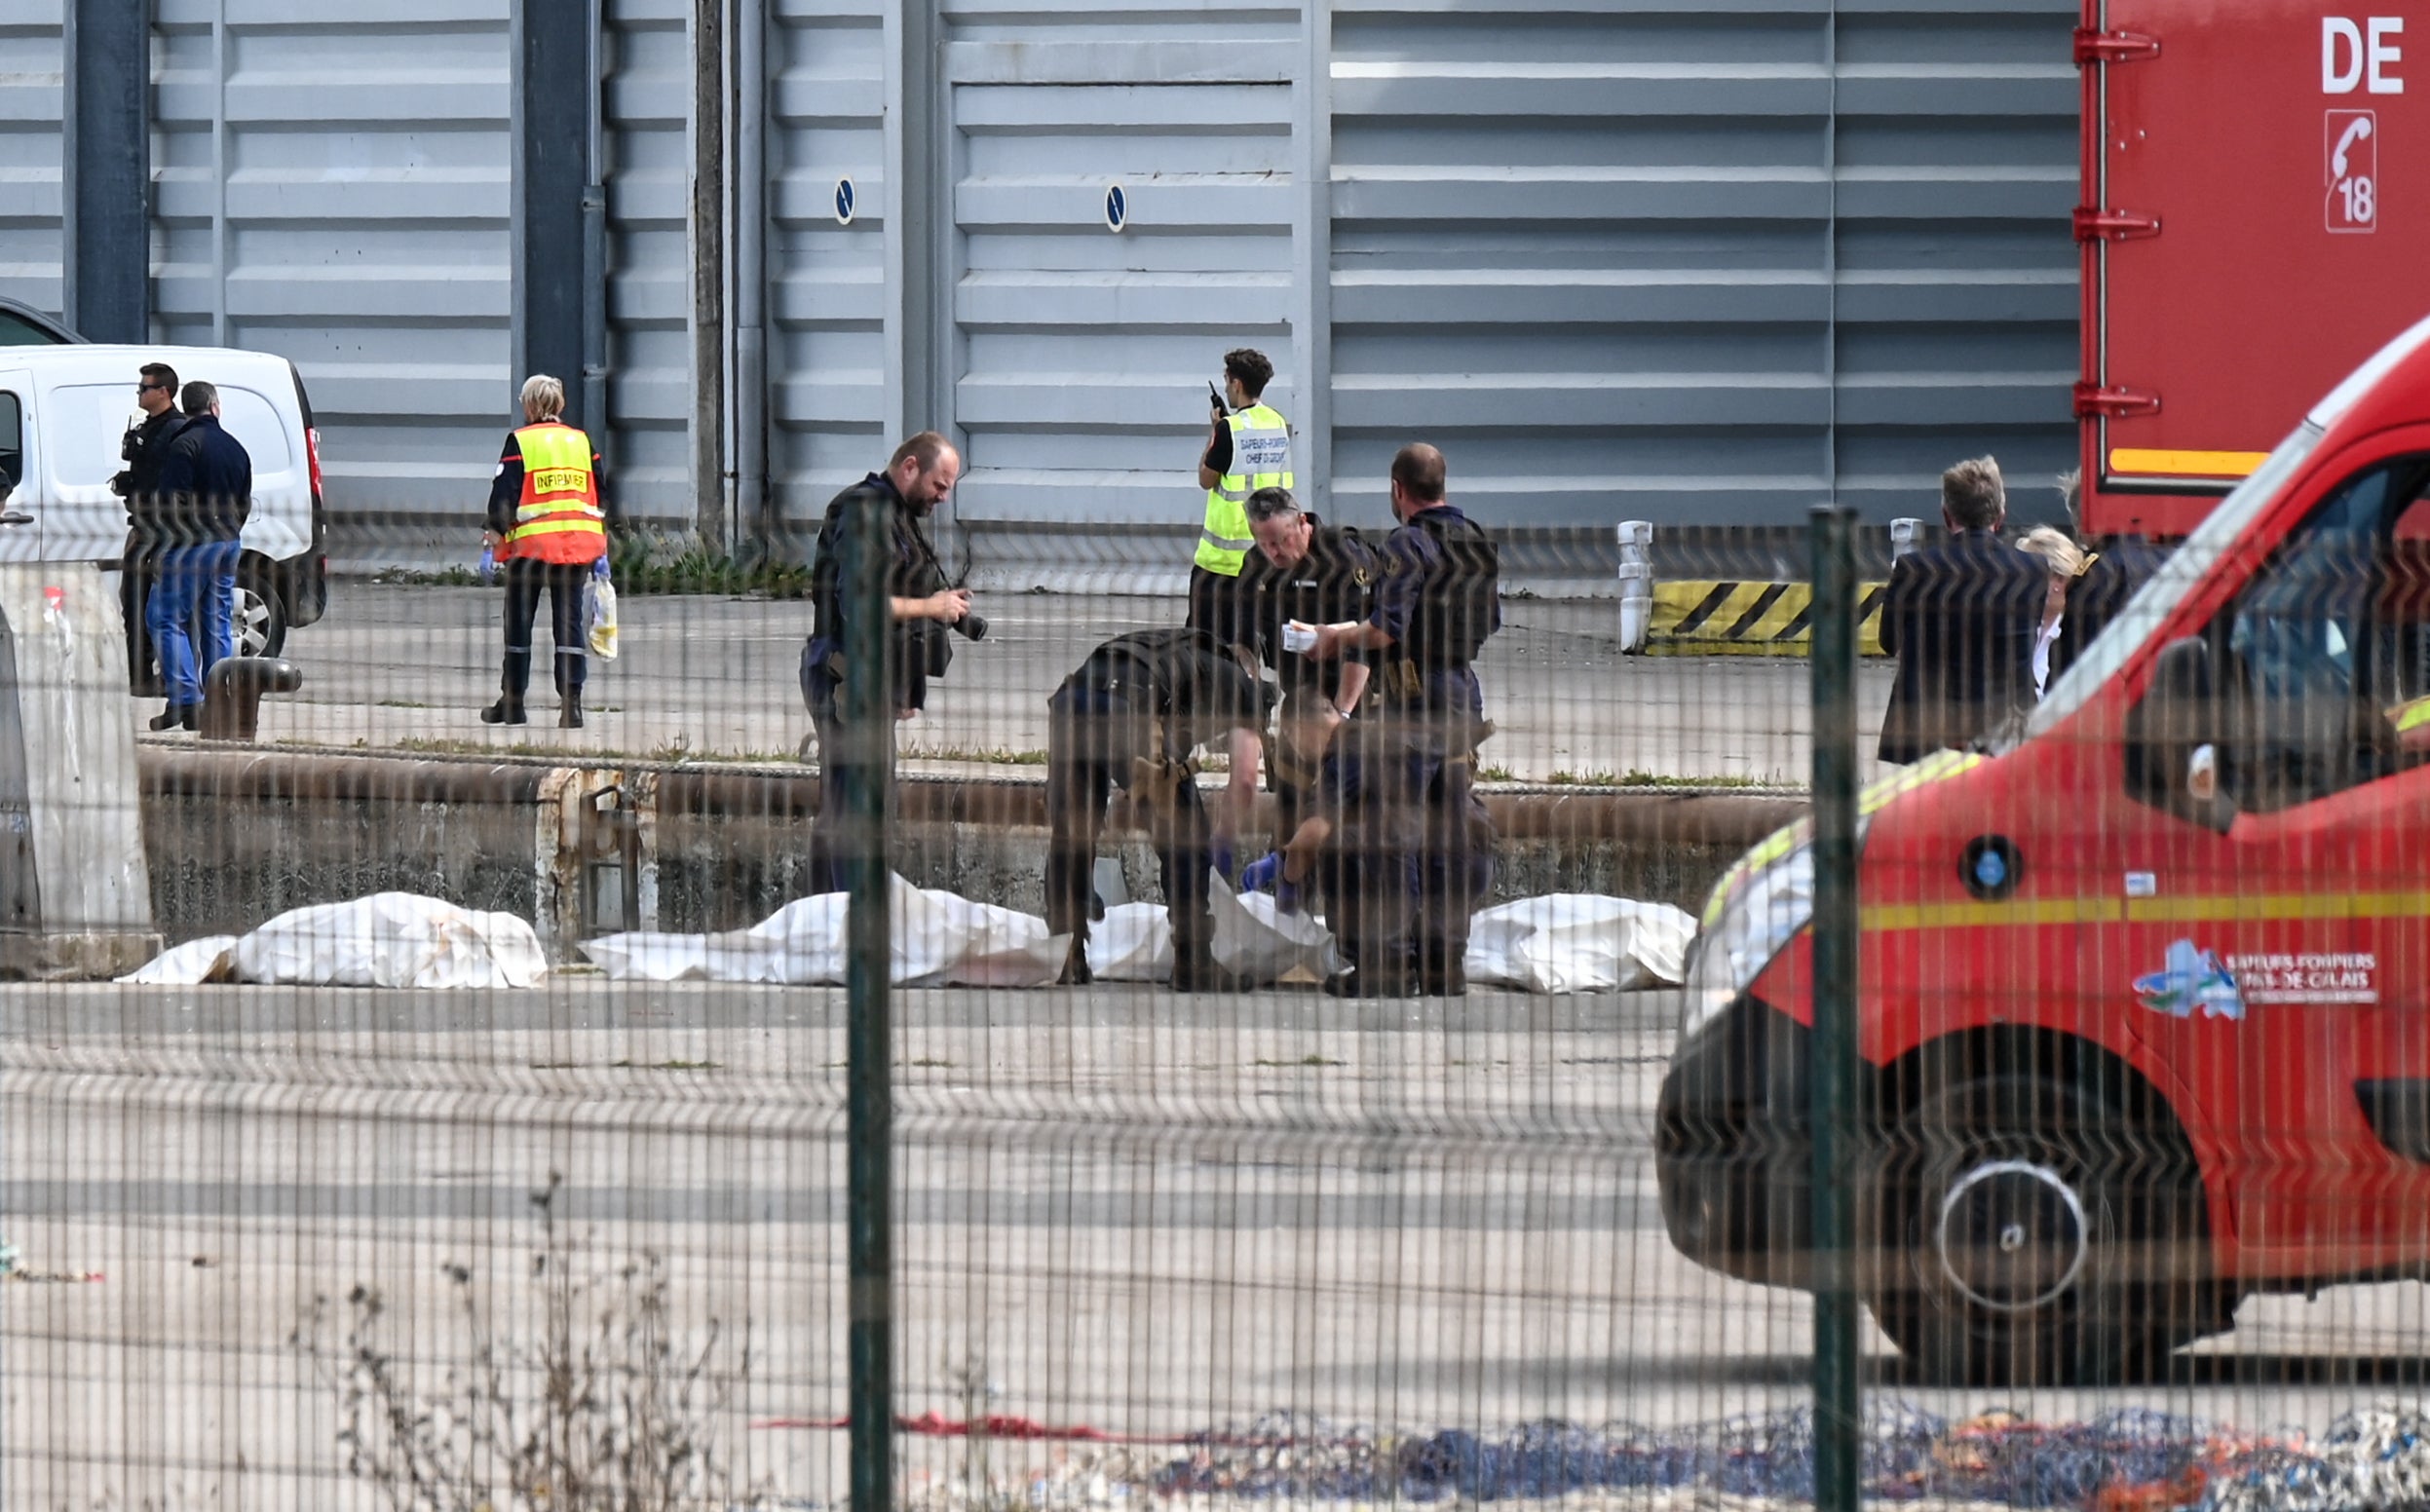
(1424, 1117)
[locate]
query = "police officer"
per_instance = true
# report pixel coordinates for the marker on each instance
(1128, 718)
(1409, 849)
(144, 448)
(1305, 573)
(548, 530)
(917, 478)
(1248, 450)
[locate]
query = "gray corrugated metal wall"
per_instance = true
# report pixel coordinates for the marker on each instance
(1693, 261)
(828, 351)
(1083, 353)
(1687, 262)
(32, 97)
(333, 186)
(645, 107)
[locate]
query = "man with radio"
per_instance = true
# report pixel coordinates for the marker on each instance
(144, 448)
(921, 606)
(1247, 448)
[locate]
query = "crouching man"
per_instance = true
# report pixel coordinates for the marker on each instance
(1128, 718)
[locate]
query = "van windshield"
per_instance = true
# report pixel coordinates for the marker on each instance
(2187, 566)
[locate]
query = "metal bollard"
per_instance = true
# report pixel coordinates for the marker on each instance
(1636, 583)
(232, 694)
(1903, 537)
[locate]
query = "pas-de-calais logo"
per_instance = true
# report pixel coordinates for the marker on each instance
(2191, 979)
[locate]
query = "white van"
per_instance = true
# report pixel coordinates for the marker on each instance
(64, 410)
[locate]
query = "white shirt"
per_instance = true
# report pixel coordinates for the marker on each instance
(2041, 655)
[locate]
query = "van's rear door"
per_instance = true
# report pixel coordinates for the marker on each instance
(20, 456)
(2256, 191)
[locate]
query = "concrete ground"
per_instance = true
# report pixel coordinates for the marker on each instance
(400, 665)
(1114, 1207)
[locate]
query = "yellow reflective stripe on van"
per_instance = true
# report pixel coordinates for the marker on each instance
(2217, 908)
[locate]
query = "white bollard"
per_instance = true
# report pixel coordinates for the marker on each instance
(1903, 537)
(1636, 583)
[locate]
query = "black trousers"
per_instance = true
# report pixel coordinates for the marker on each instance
(1095, 742)
(1412, 851)
(1215, 606)
(564, 583)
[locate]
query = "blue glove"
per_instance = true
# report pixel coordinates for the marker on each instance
(488, 568)
(1263, 875)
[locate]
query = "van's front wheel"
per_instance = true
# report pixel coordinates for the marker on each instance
(261, 612)
(2033, 1236)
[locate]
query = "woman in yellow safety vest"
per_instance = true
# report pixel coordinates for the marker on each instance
(548, 530)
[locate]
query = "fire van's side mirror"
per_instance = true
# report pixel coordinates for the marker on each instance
(2176, 737)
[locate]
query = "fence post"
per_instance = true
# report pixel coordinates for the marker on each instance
(1636, 583)
(868, 755)
(1832, 1069)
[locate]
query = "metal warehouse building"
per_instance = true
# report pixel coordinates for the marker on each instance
(1696, 261)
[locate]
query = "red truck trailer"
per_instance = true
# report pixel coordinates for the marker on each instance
(2255, 202)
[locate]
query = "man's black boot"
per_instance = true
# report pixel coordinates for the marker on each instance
(1195, 970)
(508, 710)
(1374, 979)
(570, 711)
(169, 718)
(1442, 972)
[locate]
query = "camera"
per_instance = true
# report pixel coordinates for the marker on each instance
(971, 625)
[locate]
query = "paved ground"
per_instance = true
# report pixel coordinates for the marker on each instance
(1117, 1208)
(704, 675)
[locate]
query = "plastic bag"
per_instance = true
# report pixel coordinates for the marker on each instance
(1256, 942)
(389, 939)
(1132, 943)
(604, 619)
(938, 938)
(191, 964)
(1569, 942)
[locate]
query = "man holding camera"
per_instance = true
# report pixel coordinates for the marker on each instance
(921, 606)
(144, 448)
(1248, 450)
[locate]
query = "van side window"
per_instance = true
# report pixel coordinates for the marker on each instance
(11, 438)
(2314, 653)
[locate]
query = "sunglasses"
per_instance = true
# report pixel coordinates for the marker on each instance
(146, 387)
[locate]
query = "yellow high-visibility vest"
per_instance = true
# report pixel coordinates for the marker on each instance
(558, 518)
(1260, 458)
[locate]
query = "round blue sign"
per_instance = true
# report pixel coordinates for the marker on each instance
(1116, 208)
(843, 202)
(1990, 869)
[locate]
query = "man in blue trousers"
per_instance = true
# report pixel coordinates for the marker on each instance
(204, 493)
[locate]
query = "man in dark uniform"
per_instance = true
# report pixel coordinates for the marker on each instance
(1128, 718)
(922, 473)
(1961, 619)
(1404, 838)
(1305, 573)
(144, 448)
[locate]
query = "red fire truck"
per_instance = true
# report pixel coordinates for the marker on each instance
(2249, 230)
(2144, 996)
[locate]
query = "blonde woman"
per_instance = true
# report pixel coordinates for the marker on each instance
(2066, 561)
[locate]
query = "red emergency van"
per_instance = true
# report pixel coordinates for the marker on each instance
(2144, 997)
(2255, 189)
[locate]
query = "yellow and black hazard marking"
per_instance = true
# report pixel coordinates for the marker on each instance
(1749, 618)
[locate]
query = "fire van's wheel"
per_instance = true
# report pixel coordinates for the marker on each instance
(260, 614)
(2033, 1236)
